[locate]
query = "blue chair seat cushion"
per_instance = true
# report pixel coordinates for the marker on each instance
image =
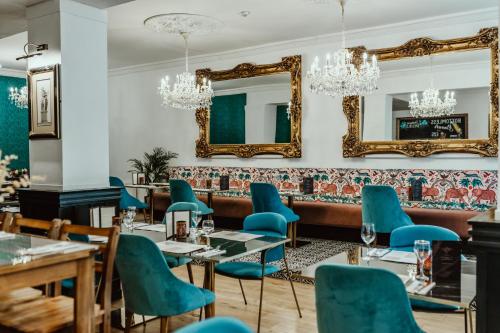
(203, 208)
(173, 262)
(244, 270)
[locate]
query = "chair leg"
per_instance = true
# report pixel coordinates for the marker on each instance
(190, 272)
(164, 325)
(466, 325)
(128, 320)
(263, 264)
(471, 324)
(260, 301)
(243, 292)
(291, 284)
(201, 314)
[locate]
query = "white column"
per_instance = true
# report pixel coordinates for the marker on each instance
(77, 38)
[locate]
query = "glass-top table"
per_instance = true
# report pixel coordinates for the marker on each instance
(446, 294)
(234, 250)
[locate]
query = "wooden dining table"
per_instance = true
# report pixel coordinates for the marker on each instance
(19, 270)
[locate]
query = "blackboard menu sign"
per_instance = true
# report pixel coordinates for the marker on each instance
(308, 183)
(224, 183)
(416, 190)
(446, 261)
(432, 128)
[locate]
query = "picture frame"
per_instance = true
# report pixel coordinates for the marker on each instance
(44, 102)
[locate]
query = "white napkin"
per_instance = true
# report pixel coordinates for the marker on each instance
(6, 235)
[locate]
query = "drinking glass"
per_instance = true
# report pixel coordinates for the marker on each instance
(368, 236)
(208, 227)
(128, 218)
(195, 221)
(422, 249)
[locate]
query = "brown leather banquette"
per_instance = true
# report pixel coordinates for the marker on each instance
(327, 213)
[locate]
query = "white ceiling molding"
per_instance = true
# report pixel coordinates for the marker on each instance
(485, 17)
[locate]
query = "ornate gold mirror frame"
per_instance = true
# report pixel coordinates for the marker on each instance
(293, 65)
(353, 146)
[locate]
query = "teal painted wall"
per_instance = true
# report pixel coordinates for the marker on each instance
(13, 124)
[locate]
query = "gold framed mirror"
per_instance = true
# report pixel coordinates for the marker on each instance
(256, 110)
(379, 124)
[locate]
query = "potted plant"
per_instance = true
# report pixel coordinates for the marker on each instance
(154, 165)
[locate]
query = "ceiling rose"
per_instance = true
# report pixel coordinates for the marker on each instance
(183, 23)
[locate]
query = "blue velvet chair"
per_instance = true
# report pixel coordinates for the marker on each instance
(149, 287)
(267, 224)
(362, 300)
(217, 325)
(179, 261)
(266, 198)
(126, 200)
(380, 206)
(403, 238)
(181, 191)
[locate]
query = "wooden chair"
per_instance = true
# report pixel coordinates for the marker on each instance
(6, 221)
(49, 229)
(51, 314)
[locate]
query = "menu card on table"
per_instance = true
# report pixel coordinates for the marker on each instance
(401, 257)
(446, 261)
(235, 236)
(179, 247)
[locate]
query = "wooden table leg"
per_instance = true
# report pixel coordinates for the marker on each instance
(151, 208)
(209, 283)
(84, 320)
(209, 203)
(292, 228)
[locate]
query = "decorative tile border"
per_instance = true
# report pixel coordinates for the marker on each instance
(443, 189)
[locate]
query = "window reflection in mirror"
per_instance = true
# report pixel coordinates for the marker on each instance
(386, 113)
(251, 110)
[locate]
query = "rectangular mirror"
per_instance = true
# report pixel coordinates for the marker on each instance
(386, 113)
(257, 109)
(466, 67)
(251, 110)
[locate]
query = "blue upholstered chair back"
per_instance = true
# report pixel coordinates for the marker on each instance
(380, 206)
(181, 191)
(403, 238)
(149, 287)
(182, 206)
(115, 181)
(217, 325)
(265, 198)
(268, 224)
(362, 300)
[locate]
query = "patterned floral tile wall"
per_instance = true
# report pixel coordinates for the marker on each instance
(443, 189)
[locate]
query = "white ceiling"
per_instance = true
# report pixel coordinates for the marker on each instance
(130, 43)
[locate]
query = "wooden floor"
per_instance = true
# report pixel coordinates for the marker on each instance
(279, 313)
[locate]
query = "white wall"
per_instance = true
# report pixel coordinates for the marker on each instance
(77, 39)
(138, 122)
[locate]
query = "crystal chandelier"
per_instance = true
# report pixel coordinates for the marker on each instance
(431, 104)
(19, 97)
(339, 76)
(185, 93)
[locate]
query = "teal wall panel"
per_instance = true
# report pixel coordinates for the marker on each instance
(14, 125)
(283, 125)
(227, 119)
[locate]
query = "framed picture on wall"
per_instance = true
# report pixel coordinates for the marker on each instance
(43, 92)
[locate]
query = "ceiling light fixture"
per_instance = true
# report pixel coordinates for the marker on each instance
(339, 76)
(186, 93)
(431, 104)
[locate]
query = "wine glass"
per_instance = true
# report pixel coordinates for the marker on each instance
(195, 221)
(368, 236)
(208, 227)
(422, 249)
